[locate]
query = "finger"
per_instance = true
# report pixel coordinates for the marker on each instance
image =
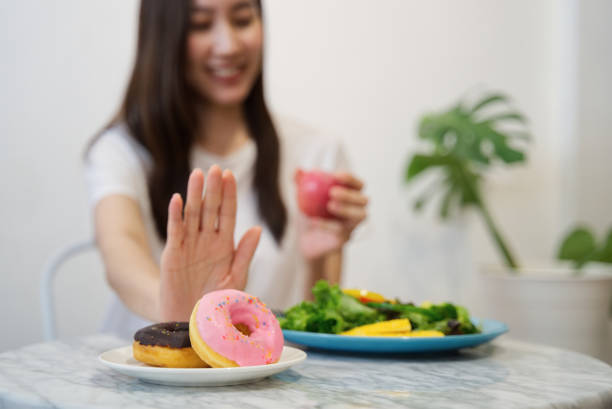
(244, 254)
(227, 214)
(193, 205)
(175, 229)
(212, 199)
(349, 180)
(348, 196)
(348, 212)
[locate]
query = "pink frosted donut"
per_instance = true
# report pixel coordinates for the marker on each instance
(232, 328)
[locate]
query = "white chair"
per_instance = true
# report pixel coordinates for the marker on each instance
(47, 298)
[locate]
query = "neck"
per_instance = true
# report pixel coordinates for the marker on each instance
(223, 130)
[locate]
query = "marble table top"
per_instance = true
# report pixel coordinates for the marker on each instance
(504, 374)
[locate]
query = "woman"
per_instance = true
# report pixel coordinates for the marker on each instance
(195, 101)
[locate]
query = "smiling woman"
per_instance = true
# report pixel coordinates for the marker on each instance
(224, 50)
(194, 102)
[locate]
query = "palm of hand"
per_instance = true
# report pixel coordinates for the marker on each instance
(199, 255)
(202, 264)
(347, 204)
(320, 237)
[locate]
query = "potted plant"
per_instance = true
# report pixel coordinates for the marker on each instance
(567, 302)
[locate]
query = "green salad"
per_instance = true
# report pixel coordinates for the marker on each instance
(333, 311)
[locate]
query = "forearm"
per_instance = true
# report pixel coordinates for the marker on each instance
(133, 275)
(328, 267)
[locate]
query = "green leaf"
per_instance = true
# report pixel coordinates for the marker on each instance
(420, 163)
(578, 246)
(475, 153)
(420, 203)
(470, 185)
(489, 100)
(506, 116)
(447, 200)
(500, 146)
(332, 311)
(433, 128)
(508, 154)
(604, 254)
(298, 317)
(445, 310)
(422, 199)
(464, 146)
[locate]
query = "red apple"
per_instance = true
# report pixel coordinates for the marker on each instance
(313, 192)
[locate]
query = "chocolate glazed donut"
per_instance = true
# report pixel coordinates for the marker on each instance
(166, 334)
(167, 345)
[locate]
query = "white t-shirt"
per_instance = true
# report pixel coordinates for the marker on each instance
(117, 164)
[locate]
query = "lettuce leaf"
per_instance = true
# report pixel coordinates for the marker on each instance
(332, 312)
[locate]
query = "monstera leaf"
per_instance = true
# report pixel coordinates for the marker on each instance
(580, 246)
(464, 142)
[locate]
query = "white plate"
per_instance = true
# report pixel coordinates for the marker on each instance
(121, 360)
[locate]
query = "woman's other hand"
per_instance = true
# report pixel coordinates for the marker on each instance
(199, 255)
(348, 205)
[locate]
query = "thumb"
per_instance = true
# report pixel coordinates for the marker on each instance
(243, 256)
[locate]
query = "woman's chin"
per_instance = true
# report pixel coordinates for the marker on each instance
(227, 99)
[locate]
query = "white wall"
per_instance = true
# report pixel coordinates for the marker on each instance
(62, 70)
(359, 69)
(594, 116)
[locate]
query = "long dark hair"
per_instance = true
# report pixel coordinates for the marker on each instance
(158, 110)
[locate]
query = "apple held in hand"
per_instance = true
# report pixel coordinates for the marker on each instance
(313, 192)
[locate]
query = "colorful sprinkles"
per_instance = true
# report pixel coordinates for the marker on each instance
(255, 323)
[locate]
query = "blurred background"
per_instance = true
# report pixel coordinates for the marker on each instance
(359, 70)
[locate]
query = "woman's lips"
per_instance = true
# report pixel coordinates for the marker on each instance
(227, 75)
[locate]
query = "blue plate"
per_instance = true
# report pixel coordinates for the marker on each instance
(490, 330)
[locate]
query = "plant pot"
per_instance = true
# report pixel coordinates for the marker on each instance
(553, 305)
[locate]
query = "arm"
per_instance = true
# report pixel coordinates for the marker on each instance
(322, 241)
(131, 270)
(327, 267)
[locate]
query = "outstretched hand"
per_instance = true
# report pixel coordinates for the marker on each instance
(199, 255)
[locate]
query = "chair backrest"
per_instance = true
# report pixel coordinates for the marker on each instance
(47, 299)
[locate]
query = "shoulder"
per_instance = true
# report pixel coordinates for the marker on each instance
(117, 146)
(116, 164)
(309, 147)
(296, 133)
